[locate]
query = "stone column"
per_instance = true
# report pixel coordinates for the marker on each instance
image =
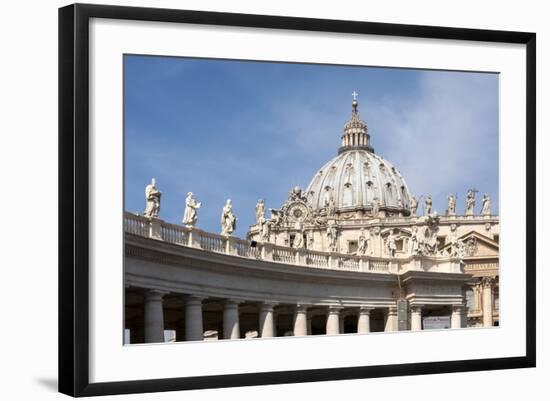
(300, 320)
(363, 323)
(154, 317)
(456, 317)
(391, 319)
(231, 327)
(333, 320)
(193, 319)
(488, 283)
(267, 321)
(416, 317)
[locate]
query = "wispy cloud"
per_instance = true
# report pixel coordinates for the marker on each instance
(445, 138)
(270, 127)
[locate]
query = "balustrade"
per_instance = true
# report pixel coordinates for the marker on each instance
(282, 254)
(196, 238)
(212, 242)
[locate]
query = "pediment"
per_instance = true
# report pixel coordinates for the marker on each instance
(476, 245)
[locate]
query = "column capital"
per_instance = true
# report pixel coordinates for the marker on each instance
(488, 282)
(302, 307)
(392, 310)
(335, 309)
(458, 308)
(416, 308)
(268, 306)
(155, 295)
(194, 299)
(232, 302)
(365, 309)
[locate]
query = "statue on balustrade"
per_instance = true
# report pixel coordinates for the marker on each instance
(451, 205)
(363, 242)
(260, 212)
(152, 200)
(190, 213)
(470, 202)
(486, 205)
(414, 206)
(428, 205)
(266, 230)
(228, 220)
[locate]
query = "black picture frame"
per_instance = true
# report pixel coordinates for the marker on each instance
(74, 198)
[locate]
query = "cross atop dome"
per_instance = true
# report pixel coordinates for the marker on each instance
(355, 103)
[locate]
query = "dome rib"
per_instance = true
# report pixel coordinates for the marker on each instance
(334, 175)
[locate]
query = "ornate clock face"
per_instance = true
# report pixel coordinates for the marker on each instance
(297, 211)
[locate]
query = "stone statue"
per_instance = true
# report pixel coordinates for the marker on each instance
(457, 248)
(190, 214)
(470, 202)
(428, 206)
(375, 208)
(266, 230)
(298, 240)
(331, 207)
(296, 194)
(260, 211)
(363, 242)
(316, 218)
(429, 244)
(470, 247)
(414, 241)
(309, 239)
(414, 206)
(276, 216)
(332, 234)
(152, 200)
(228, 220)
(486, 205)
(391, 243)
(451, 205)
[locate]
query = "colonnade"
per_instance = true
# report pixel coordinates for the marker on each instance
(484, 308)
(302, 315)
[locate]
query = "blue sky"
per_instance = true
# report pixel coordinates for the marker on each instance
(249, 130)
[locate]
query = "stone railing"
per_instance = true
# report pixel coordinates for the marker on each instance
(193, 237)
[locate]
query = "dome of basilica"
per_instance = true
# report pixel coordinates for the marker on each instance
(357, 178)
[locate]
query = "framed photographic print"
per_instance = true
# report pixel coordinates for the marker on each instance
(251, 199)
